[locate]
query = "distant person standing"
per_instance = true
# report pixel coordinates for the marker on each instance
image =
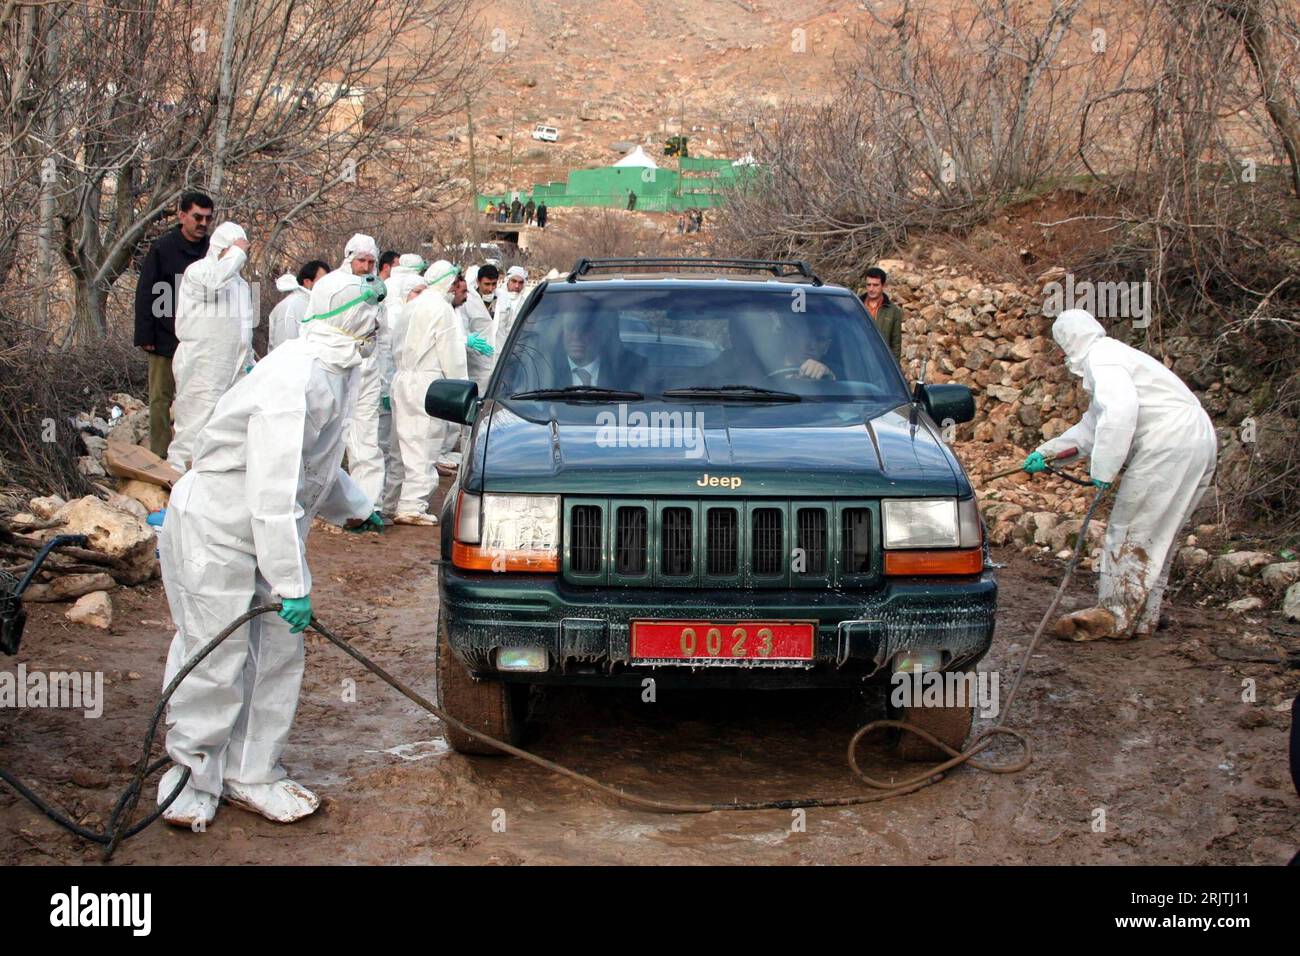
(541, 215)
(286, 318)
(516, 210)
(887, 316)
(491, 211)
(155, 306)
(631, 200)
(530, 210)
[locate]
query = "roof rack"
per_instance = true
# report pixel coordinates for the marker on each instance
(781, 268)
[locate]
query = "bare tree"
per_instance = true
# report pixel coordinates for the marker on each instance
(125, 104)
(948, 112)
(1260, 21)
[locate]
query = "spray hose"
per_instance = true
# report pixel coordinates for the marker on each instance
(118, 828)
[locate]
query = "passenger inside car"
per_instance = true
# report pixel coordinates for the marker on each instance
(592, 353)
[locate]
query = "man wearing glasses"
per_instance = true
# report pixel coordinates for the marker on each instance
(155, 306)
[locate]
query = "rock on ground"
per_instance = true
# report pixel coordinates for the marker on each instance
(152, 497)
(69, 586)
(1281, 576)
(1227, 567)
(114, 532)
(1291, 603)
(46, 507)
(94, 609)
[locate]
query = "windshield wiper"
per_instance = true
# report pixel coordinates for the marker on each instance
(752, 393)
(579, 393)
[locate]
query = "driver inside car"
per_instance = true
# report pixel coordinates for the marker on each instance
(810, 339)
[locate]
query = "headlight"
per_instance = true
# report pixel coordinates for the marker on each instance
(923, 535)
(507, 532)
(921, 523)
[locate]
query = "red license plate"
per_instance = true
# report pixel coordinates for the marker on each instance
(712, 641)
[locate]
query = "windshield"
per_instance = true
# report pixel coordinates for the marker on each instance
(720, 343)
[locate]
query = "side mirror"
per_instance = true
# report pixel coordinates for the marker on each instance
(452, 400)
(947, 402)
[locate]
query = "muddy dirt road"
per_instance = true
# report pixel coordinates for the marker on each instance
(1154, 733)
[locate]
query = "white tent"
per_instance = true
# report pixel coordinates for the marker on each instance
(638, 157)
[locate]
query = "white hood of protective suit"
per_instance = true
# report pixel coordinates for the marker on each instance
(406, 275)
(440, 276)
(1076, 332)
(357, 245)
(288, 283)
(341, 315)
(223, 237)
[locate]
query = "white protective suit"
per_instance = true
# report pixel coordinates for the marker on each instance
(235, 535)
(508, 305)
(1144, 417)
(286, 318)
(433, 347)
(365, 457)
(406, 277)
(477, 320)
(214, 324)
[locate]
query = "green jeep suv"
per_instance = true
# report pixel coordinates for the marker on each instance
(710, 473)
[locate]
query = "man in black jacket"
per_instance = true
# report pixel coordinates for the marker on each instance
(155, 306)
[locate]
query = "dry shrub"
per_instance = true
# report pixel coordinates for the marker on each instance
(594, 234)
(40, 391)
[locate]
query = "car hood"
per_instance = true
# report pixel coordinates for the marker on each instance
(805, 449)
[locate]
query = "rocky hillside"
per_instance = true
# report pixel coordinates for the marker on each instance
(621, 72)
(994, 338)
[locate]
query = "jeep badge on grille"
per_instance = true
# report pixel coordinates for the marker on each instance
(715, 481)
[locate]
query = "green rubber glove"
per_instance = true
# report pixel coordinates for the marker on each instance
(1103, 485)
(1035, 463)
(374, 523)
(387, 403)
(479, 344)
(297, 612)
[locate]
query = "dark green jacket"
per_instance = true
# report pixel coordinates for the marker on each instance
(889, 320)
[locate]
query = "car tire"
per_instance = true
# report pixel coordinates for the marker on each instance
(949, 724)
(491, 707)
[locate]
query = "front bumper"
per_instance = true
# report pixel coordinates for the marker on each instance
(586, 631)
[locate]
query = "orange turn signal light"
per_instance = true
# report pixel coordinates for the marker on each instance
(471, 557)
(921, 563)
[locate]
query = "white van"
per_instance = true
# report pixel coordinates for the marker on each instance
(548, 134)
